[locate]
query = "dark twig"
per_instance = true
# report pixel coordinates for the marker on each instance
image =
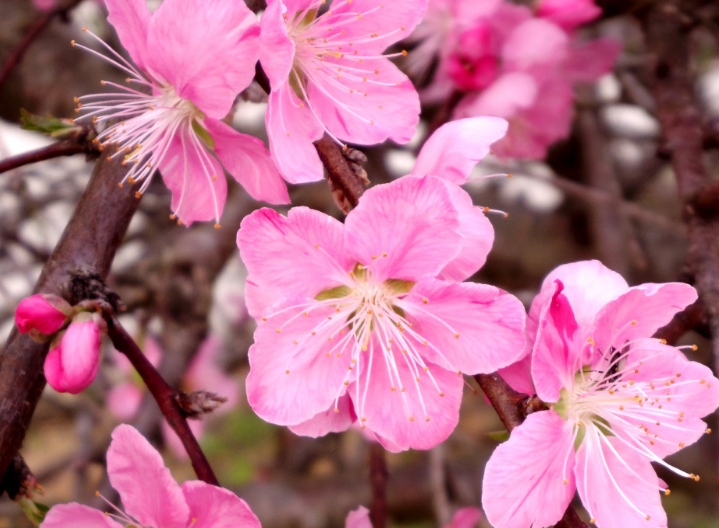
(378, 476)
(513, 407)
(36, 28)
(165, 396)
(56, 150)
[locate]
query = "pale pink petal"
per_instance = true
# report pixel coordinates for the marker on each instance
(289, 384)
(588, 61)
(248, 161)
(53, 370)
(328, 421)
(472, 328)
(535, 46)
(390, 21)
(173, 441)
(519, 374)
(131, 18)
(521, 489)
(365, 107)
(146, 487)
(278, 249)
(124, 401)
(617, 485)
(207, 50)
(401, 415)
(477, 237)
(277, 51)
(465, 518)
(77, 516)
(558, 347)
(214, 507)
(568, 14)
(292, 129)
(639, 312)
(506, 97)
(258, 299)
(358, 518)
(195, 178)
(456, 147)
(407, 229)
(44, 314)
(80, 356)
(205, 373)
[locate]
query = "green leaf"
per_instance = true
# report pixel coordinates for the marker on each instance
(34, 511)
(49, 125)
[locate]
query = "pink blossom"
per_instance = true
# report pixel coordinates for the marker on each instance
(367, 319)
(151, 496)
(568, 14)
(192, 59)
(619, 399)
(328, 74)
(74, 357)
(474, 64)
(42, 314)
(464, 518)
(124, 399)
(44, 5)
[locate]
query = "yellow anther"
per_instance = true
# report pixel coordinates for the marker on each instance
(217, 226)
(427, 419)
(279, 330)
(441, 394)
(411, 418)
(287, 371)
(566, 482)
(404, 53)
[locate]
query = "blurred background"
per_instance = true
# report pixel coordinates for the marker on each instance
(602, 188)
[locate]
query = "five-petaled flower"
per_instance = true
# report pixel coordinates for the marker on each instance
(328, 74)
(151, 497)
(620, 400)
(368, 319)
(192, 57)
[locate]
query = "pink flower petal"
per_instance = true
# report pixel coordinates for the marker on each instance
(131, 19)
(205, 373)
(569, 14)
(640, 312)
(77, 516)
(558, 347)
(289, 384)
(358, 518)
(521, 489)
(53, 370)
(189, 172)
(146, 487)
(213, 507)
(476, 328)
(587, 62)
(519, 374)
(248, 161)
(407, 229)
(477, 234)
(456, 147)
(278, 249)
(465, 518)
(400, 416)
(535, 46)
(44, 314)
(80, 355)
(328, 421)
(506, 97)
(365, 107)
(277, 51)
(207, 50)
(124, 401)
(618, 486)
(292, 129)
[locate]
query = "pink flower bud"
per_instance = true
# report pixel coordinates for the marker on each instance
(42, 314)
(71, 365)
(568, 14)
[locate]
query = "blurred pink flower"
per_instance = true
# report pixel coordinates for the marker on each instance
(464, 518)
(192, 77)
(378, 327)
(44, 5)
(151, 496)
(328, 74)
(568, 14)
(619, 401)
(74, 357)
(41, 314)
(474, 64)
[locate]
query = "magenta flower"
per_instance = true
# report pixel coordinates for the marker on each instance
(619, 398)
(193, 58)
(328, 74)
(42, 315)
(151, 496)
(569, 14)
(368, 319)
(74, 357)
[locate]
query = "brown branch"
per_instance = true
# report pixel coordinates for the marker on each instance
(672, 83)
(89, 242)
(378, 477)
(18, 481)
(35, 30)
(165, 396)
(513, 407)
(56, 150)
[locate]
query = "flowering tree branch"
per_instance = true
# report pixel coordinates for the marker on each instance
(165, 396)
(56, 150)
(378, 477)
(89, 242)
(35, 30)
